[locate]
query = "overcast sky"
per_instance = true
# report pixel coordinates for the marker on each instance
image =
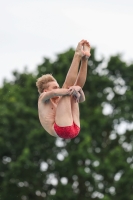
(33, 29)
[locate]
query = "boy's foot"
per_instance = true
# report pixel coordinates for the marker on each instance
(83, 49)
(79, 50)
(86, 49)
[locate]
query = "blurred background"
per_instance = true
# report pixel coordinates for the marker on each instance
(39, 37)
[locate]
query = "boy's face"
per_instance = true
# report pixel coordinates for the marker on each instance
(52, 85)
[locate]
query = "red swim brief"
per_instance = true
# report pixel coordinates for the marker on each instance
(67, 132)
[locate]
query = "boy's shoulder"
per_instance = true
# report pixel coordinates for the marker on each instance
(41, 95)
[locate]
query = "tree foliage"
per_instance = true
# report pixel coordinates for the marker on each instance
(98, 164)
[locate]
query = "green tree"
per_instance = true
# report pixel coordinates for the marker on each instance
(98, 164)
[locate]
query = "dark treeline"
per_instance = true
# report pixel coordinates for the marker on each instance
(98, 164)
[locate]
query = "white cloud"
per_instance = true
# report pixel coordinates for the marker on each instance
(30, 30)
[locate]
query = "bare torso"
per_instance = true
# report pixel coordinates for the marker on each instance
(47, 111)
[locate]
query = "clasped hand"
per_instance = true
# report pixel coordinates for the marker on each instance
(75, 92)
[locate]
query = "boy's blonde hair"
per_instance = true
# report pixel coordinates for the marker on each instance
(42, 82)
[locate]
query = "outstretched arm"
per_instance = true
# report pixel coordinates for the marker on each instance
(45, 96)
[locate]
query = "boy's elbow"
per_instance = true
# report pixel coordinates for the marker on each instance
(82, 99)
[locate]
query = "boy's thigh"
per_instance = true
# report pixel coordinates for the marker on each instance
(75, 112)
(63, 115)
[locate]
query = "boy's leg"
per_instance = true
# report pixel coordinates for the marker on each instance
(73, 70)
(81, 78)
(63, 115)
(67, 109)
(67, 112)
(75, 112)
